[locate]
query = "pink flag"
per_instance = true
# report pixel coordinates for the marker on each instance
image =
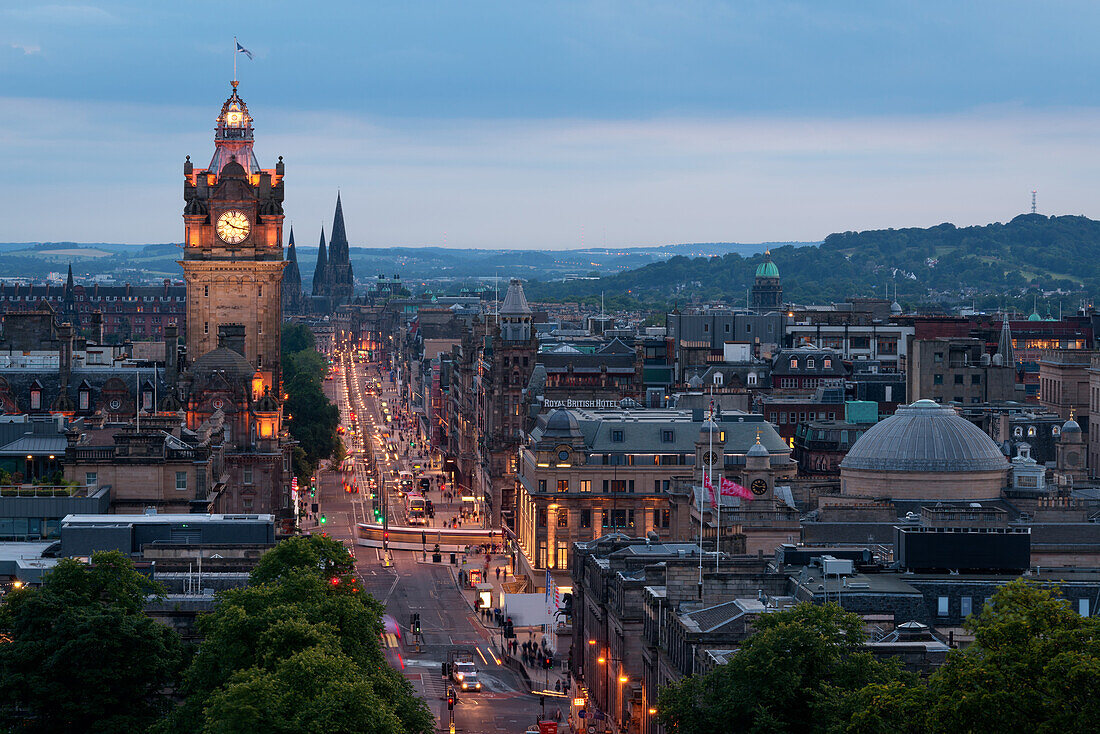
(710, 490)
(730, 488)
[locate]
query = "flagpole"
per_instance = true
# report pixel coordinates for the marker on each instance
(234, 58)
(718, 496)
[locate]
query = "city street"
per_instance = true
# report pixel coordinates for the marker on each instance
(406, 581)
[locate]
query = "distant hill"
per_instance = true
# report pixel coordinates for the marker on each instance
(984, 264)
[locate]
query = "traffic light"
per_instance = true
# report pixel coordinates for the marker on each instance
(450, 699)
(323, 519)
(415, 623)
(312, 491)
(547, 662)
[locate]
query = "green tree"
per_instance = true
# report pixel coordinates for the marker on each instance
(785, 678)
(259, 639)
(326, 557)
(82, 656)
(1034, 666)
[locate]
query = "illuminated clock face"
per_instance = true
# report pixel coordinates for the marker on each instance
(234, 118)
(758, 487)
(710, 458)
(233, 227)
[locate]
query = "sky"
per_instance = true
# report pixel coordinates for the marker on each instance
(555, 124)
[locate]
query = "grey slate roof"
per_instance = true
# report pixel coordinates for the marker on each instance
(925, 436)
(515, 303)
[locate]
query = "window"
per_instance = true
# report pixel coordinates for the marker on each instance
(937, 357)
(794, 364)
(36, 399)
(706, 328)
(563, 518)
(586, 519)
(91, 478)
(937, 379)
(727, 328)
(1083, 607)
(205, 327)
(563, 485)
(1031, 431)
(958, 379)
(542, 485)
(1018, 432)
(783, 418)
(260, 326)
(656, 486)
(616, 436)
(827, 363)
(666, 517)
(541, 562)
(540, 518)
(206, 291)
(618, 485)
(181, 481)
(259, 360)
(1055, 431)
(667, 436)
(975, 379)
(793, 418)
(942, 606)
(260, 291)
(586, 485)
(618, 518)
(810, 363)
(84, 400)
(964, 607)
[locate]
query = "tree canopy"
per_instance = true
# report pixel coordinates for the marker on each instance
(82, 656)
(298, 650)
(312, 418)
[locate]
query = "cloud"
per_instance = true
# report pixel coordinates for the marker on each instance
(550, 183)
(67, 14)
(26, 48)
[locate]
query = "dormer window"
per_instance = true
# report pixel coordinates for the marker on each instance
(84, 399)
(794, 364)
(827, 363)
(809, 363)
(36, 396)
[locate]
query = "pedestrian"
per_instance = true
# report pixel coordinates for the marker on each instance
(498, 573)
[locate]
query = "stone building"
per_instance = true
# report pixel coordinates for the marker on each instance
(233, 264)
(767, 292)
(587, 472)
(959, 370)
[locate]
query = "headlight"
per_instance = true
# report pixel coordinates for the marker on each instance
(460, 676)
(477, 686)
(464, 686)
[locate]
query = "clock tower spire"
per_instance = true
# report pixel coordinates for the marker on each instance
(233, 253)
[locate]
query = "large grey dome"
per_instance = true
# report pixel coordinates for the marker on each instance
(561, 424)
(925, 436)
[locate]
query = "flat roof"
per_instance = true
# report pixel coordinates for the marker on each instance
(161, 518)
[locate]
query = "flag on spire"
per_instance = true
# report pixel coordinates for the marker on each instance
(241, 49)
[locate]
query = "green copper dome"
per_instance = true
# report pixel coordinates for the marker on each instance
(767, 269)
(1034, 316)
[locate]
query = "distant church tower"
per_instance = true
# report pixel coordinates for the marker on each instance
(767, 293)
(292, 280)
(340, 278)
(233, 245)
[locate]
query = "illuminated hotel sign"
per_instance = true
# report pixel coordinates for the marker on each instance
(571, 403)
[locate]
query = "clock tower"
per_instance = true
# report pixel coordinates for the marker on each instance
(233, 246)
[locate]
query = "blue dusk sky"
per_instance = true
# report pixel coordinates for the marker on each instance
(555, 124)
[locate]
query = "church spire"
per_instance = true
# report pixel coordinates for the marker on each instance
(338, 243)
(69, 280)
(1004, 346)
(320, 272)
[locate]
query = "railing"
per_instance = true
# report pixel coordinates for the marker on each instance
(33, 490)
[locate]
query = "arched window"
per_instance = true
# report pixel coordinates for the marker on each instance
(794, 364)
(1031, 431)
(752, 379)
(1018, 432)
(718, 378)
(809, 363)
